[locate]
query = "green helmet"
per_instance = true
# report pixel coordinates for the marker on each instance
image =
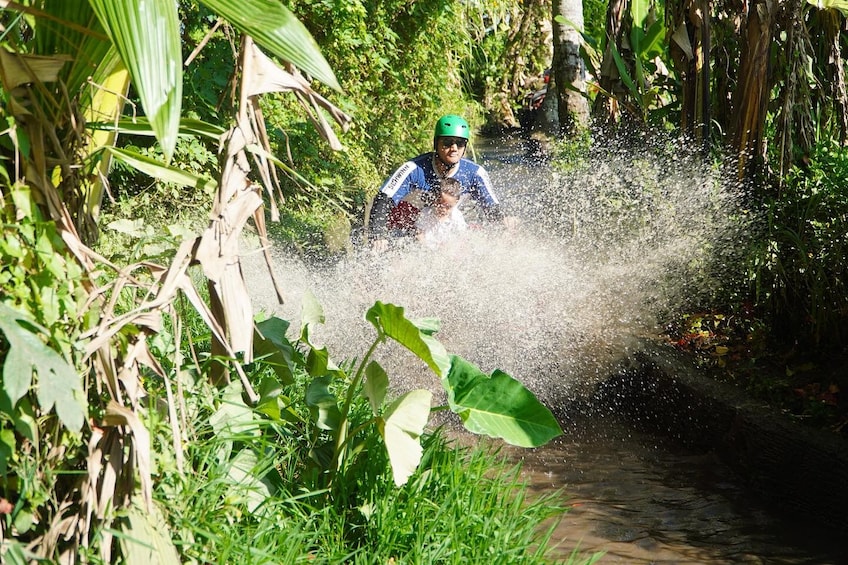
(451, 126)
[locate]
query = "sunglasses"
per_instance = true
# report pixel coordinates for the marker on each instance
(448, 141)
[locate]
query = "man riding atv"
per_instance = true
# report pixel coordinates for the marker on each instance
(410, 188)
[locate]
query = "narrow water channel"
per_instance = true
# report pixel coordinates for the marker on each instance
(642, 500)
(600, 251)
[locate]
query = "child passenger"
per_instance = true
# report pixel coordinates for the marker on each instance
(441, 221)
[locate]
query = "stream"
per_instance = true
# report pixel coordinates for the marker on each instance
(601, 252)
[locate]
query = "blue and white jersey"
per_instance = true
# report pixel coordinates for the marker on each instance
(419, 176)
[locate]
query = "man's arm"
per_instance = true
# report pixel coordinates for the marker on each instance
(378, 219)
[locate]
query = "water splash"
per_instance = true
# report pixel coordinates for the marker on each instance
(602, 251)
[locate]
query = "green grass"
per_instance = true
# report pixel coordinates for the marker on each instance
(463, 505)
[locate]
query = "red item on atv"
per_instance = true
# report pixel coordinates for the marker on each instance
(402, 217)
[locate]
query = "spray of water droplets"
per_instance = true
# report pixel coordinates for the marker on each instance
(602, 250)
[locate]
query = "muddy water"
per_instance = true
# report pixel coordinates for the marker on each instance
(600, 252)
(642, 501)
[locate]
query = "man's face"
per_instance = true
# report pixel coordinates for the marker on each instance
(451, 149)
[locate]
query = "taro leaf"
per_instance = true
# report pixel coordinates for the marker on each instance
(311, 312)
(273, 403)
(233, 417)
(7, 449)
(498, 406)
(390, 320)
(253, 489)
(428, 326)
(401, 427)
(322, 403)
(318, 362)
(58, 382)
(144, 539)
(322, 454)
(271, 344)
(376, 386)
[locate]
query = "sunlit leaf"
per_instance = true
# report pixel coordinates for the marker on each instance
(7, 448)
(233, 417)
(160, 170)
(323, 405)
(376, 386)
(271, 344)
(145, 539)
(146, 35)
(639, 11)
(141, 126)
(59, 384)
(841, 5)
(401, 427)
(390, 320)
(311, 311)
(498, 406)
(243, 473)
(276, 29)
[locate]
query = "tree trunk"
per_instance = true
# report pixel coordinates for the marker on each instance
(752, 93)
(568, 70)
(690, 50)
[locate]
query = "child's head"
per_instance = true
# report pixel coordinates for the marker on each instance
(447, 196)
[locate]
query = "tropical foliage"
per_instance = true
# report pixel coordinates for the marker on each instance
(147, 118)
(85, 339)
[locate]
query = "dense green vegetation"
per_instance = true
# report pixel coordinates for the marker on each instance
(136, 416)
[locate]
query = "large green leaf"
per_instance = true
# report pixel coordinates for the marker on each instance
(141, 126)
(145, 539)
(276, 29)
(250, 485)
(71, 28)
(160, 170)
(59, 384)
(233, 417)
(391, 321)
(498, 406)
(322, 404)
(271, 344)
(376, 386)
(146, 35)
(401, 427)
(841, 5)
(639, 11)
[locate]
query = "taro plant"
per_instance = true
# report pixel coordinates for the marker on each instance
(495, 405)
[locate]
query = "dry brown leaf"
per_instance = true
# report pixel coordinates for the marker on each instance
(117, 415)
(19, 69)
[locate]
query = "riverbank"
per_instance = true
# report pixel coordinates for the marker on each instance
(795, 468)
